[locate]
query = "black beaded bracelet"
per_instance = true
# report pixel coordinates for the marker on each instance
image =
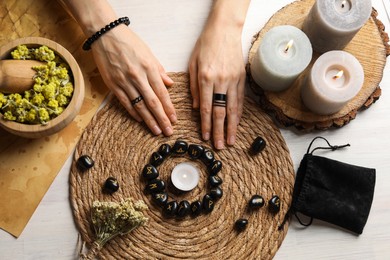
(87, 44)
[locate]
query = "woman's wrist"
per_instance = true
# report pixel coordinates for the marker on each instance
(229, 14)
(92, 15)
(123, 20)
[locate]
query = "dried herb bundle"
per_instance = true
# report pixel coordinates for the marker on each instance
(110, 219)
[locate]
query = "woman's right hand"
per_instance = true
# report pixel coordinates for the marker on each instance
(127, 66)
(130, 70)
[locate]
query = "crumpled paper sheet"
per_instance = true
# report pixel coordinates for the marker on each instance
(29, 166)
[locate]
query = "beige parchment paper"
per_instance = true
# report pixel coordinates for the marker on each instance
(29, 166)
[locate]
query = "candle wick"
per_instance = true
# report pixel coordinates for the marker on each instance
(288, 46)
(339, 74)
(343, 4)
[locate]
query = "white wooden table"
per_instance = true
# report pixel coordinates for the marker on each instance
(171, 27)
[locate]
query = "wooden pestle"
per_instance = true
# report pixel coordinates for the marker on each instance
(16, 76)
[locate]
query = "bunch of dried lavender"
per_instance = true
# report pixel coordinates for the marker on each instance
(110, 219)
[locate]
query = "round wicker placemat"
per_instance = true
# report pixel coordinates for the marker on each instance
(121, 147)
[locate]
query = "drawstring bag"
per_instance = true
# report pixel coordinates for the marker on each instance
(332, 191)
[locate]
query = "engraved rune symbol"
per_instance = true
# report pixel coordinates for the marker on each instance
(149, 170)
(180, 150)
(211, 203)
(153, 186)
(160, 196)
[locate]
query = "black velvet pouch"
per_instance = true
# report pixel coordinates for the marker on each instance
(333, 191)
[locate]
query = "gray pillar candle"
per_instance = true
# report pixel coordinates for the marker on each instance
(335, 78)
(332, 24)
(284, 52)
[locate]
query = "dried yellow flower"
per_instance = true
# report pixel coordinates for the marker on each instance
(110, 219)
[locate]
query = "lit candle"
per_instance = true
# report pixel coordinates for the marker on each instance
(332, 24)
(185, 176)
(284, 52)
(335, 78)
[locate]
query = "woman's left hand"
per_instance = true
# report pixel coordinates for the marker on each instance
(217, 67)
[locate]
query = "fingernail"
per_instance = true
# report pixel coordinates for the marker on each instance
(206, 136)
(156, 130)
(219, 145)
(232, 140)
(168, 131)
(173, 118)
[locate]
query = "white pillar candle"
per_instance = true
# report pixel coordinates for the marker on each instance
(284, 52)
(335, 78)
(332, 24)
(185, 176)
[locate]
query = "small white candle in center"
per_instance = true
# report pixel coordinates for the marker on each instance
(185, 176)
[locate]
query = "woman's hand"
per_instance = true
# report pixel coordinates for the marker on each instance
(127, 66)
(217, 67)
(130, 70)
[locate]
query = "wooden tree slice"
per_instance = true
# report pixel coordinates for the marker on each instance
(370, 46)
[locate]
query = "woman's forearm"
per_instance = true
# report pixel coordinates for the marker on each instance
(91, 15)
(230, 13)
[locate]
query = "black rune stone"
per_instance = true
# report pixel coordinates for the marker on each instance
(184, 209)
(150, 172)
(207, 157)
(207, 203)
(180, 147)
(196, 208)
(155, 186)
(241, 224)
(256, 202)
(85, 162)
(258, 145)
(170, 208)
(215, 180)
(195, 151)
(274, 204)
(111, 185)
(216, 193)
(214, 167)
(165, 150)
(156, 159)
(161, 199)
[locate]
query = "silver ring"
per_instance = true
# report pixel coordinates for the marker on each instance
(136, 100)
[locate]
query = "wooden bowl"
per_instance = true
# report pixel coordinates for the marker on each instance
(56, 124)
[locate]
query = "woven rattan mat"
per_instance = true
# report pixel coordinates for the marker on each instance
(121, 148)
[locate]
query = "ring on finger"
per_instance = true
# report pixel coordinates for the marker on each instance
(219, 100)
(136, 100)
